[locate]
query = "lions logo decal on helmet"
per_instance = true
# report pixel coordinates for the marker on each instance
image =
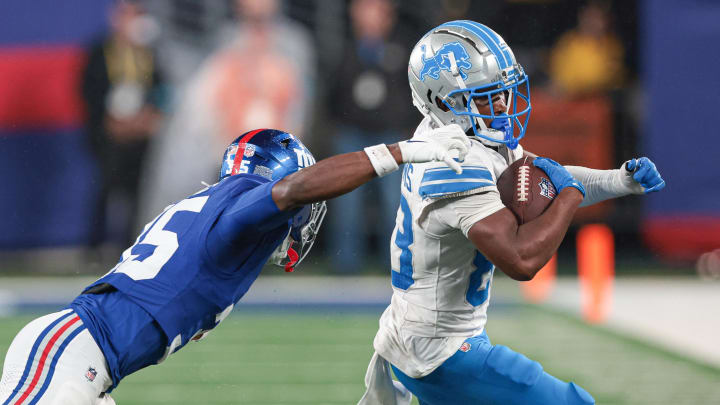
(441, 61)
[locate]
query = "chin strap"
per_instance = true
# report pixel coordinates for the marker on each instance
(293, 255)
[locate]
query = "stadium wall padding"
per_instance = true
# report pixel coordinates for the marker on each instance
(681, 75)
(47, 175)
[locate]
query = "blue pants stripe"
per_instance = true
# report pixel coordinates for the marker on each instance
(55, 359)
(32, 355)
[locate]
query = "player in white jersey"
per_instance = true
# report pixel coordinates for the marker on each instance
(451, 230)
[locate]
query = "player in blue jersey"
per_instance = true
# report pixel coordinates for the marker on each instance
(194, 262)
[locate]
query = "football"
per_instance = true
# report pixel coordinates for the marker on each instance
(525, 189)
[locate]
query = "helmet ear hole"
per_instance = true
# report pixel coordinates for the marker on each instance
(441, 105)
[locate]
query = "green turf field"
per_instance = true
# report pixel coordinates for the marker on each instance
(320, 357)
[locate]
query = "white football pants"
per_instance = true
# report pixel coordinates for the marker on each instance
(55, 361)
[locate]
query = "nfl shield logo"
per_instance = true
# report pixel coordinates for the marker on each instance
(465, 347)
(249, 150)
(90, 374)
(546, 188)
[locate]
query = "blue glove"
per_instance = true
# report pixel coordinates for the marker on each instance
(645, 173)
(559, 176)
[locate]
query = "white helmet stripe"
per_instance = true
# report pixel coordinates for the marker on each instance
(489, 41)
(496, 39)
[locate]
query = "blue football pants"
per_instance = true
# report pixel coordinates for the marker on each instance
(492, 375)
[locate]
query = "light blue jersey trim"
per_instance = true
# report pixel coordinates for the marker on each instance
(478, 173)
(438, 190)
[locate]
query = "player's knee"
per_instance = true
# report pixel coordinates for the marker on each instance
(510, 368)
(576, 395)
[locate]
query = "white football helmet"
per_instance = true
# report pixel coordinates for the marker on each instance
(459, 62)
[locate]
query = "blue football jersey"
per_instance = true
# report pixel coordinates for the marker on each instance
(185, 272)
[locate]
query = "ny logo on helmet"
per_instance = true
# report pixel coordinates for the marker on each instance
(304, 158)
(441, 61)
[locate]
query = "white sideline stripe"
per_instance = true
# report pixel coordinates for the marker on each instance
(688, 322)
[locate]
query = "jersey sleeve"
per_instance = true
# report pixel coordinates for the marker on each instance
(463, 212)
(439, 181)
(443, 182)
(251, 212)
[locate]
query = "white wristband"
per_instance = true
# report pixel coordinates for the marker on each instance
(381, 159)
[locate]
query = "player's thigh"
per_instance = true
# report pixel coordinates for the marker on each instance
(493, 375)
(449, 384)
(16, 357)
(54, 360)
(511, 378)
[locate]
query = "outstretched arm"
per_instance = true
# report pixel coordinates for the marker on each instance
(341, 174)
(327, 179)
(636, 176)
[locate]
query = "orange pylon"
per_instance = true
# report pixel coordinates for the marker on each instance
(596, 270)
(539, 288)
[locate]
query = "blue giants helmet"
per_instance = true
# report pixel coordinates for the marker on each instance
(460, 63)
(274, 154)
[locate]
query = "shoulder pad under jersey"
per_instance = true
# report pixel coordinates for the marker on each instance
(440, 181)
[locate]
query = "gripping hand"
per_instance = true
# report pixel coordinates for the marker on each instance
(441, 144)
(641, 176)
(559, 176)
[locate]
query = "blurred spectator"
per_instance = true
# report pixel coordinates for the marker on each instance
(122, 90)
(370, 102)
(266, 76)
(189, 35)
(589, 58)
(262, 77)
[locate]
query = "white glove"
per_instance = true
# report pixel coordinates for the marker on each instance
(440, 144)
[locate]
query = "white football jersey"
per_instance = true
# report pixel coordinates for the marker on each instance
(441, 283)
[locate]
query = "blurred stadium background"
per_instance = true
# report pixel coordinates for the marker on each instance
(111, 110)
